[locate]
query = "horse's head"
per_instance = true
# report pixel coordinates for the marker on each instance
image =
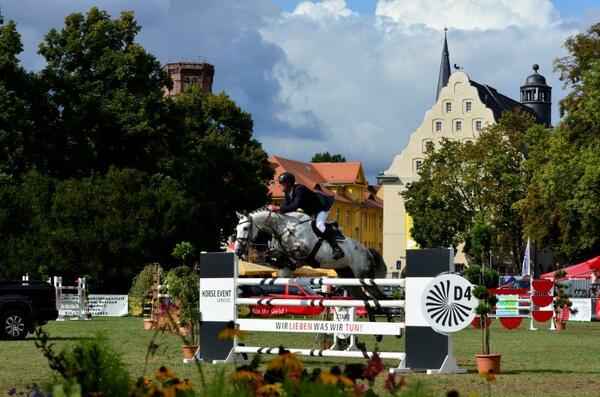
(244, 233)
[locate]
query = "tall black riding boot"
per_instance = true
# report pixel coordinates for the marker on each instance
(337, 251)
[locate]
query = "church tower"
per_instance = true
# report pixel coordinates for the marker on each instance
(537, 96)
(444, 67)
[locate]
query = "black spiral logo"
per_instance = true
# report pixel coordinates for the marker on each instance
(441, 310)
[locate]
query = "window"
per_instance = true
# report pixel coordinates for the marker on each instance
(418, 165)
(337, 214)
(448, 107)
(186, 81)
(459, 126)
(468, 106)
(347, 217)
(478, 125)
(438, 126)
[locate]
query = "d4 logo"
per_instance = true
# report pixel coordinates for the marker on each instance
(448, 303)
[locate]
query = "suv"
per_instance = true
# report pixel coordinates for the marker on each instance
(24, 304)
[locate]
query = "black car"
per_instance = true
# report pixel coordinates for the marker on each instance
(23, 305)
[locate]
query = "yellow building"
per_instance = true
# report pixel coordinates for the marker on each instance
(357, 208)
(462, 109)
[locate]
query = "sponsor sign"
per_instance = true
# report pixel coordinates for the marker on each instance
(69, 305)
(583, 306)
(217, 299)
(508, 305)
(107, 305)
(350, 327)
(448, 302)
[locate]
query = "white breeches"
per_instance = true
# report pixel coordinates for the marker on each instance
(321, 218)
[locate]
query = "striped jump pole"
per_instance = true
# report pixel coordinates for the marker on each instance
(425, 349)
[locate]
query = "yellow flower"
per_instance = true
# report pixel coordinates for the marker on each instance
(231, 331)
(488, 376)
(270, 390)
(247, 376)
(288, 362)
(328, 377)
(164, 373)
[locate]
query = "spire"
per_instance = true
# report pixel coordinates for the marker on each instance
(444, 67)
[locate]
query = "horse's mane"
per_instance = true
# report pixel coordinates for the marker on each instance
(296, 214)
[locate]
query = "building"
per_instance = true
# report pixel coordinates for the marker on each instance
(186, 74)
(462, 109)
(356, 208)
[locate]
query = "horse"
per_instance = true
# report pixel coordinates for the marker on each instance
(294, 235)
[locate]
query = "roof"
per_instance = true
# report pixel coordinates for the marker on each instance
(347, 172)
(319, 176)
(497, 102)
(444, 75)
(581, 270)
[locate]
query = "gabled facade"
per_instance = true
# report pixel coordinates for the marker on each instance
(356, 208)
(462, 109)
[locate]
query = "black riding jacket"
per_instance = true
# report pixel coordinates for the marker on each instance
(302, 197)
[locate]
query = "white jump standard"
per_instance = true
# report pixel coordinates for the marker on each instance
(425, 349)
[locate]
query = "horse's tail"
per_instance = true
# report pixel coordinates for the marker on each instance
(379, 267)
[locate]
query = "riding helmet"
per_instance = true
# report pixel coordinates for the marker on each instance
(287, 177)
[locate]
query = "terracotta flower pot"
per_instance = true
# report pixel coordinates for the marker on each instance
(560, 325)
(189, 351)
(149, 324)
(488, 363)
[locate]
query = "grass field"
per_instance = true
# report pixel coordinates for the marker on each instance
(540, 363)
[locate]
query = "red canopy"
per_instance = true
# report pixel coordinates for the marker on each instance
(581, 270)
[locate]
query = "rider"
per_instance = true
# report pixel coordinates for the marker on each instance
(312, 203)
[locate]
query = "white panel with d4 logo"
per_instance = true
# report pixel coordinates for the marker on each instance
(448, 303)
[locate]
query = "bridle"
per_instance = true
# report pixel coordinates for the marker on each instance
(245, 241)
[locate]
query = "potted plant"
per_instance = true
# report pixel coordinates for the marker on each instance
(561, 301)
(184, 287)
(484, 280)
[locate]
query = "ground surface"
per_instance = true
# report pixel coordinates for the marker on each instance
(540, 363)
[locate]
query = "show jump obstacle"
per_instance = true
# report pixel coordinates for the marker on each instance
(437, 303)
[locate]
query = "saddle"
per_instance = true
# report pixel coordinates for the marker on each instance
(330, 227)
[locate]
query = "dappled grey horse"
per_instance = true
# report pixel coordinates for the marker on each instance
(294, 234)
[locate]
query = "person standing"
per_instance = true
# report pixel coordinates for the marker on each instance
(315, 204)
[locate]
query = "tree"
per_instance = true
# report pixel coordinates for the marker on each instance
(561, 208)
(325, 157)
(109, 175)
(107, 94)
(466, 191)
(15, 111)
(439, 206)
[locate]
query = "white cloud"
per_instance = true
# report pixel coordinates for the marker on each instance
(468, 14)
(323, 78)
(324, 9)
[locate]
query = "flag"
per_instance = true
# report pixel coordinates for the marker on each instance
(526, 267)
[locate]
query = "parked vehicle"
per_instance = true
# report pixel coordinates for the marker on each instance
(293, 291)
(23, 305)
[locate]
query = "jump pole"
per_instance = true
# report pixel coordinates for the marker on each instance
(425, 349)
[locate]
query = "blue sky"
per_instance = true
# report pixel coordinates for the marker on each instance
(346, 76)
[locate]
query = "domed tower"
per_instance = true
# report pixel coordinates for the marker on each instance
(537, 95)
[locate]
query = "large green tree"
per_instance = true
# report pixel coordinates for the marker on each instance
(562, 206)
(107, 174)
(107, 94)
(467, 191)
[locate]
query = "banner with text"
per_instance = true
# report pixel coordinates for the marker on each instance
(357, 328)
(107, 305)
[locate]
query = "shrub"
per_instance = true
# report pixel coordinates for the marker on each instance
(141, 288)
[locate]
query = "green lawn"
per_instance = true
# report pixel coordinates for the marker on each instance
(540, 363)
